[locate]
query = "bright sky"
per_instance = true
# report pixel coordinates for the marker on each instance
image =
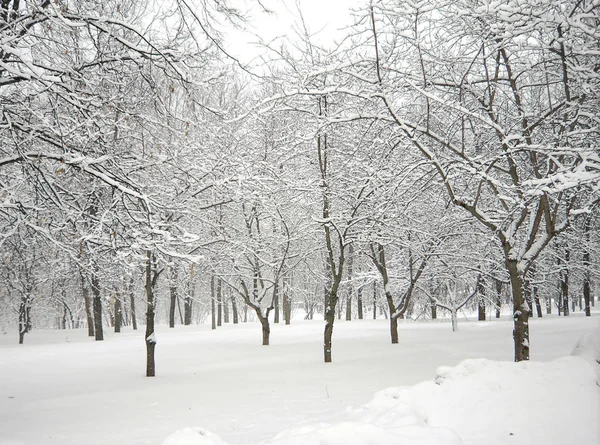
(324, 18)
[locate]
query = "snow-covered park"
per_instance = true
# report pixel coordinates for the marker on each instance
(436, 387)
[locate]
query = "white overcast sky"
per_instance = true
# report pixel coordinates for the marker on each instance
(324, 18)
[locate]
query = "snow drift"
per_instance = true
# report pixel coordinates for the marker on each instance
(479, 401)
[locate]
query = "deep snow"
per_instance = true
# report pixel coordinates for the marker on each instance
(63, 388)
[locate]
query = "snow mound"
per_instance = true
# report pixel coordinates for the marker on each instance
(193, 436)
(476, 402)
(588, 348)
(496, 403)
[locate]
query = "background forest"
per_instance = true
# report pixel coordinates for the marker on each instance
(443, 155)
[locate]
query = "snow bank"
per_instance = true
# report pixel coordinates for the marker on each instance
(588, 348)
(193, 436)
(477, 402)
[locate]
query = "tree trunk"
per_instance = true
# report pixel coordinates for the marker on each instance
(374, 300)
(287, 302)
(394, 329)
(454, 317)
(276, 304)
(118, 312)
(173, 293)
(433, 311)
(564, 285)
(359, 302)
(219, 302)
(24, 317)
(328, 334)
(150, 306)
(536, 299)
(132, 304)
(498, 297)
(97, 307)
(350, 292)
(234, 309)
(481, 300)
(586, 267)
(189, 298)
(213, 315)
(520, 311)
(88, 308)
(225, 309)
(266, 329)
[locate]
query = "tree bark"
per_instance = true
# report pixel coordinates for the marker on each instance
(97, 307)
(24, 316)
(225, 309)
(88, 307)
(189, 298)
(173, 294)
(433, 311)
(150, 306)
(374, 300)
(287, 302)
(394, 329)
(454, 318)
(498, 297)
(481, 300)
(359, 303)
(276, 308)
(266, 329)
(219, 302)
(213, 315)
(118, 312)
(234, 309)
(132, 304)
(520, 311)
(328, 334)
(586, 267)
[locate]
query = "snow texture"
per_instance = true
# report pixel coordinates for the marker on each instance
(479, 401)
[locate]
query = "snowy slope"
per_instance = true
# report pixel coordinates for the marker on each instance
(63, 388)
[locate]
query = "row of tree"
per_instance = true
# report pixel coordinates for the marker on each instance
(446, 149)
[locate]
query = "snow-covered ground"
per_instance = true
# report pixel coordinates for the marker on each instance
(63, 388)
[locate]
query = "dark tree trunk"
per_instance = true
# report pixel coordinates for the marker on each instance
(359, 302)
(150, 306)
(498, 297)
(276, 304)
(24, 317)
(481, 300)
(328, 334)
(538, 303)
(219, 303)
(433, 311)
(187, 303)
(564, 291)
(88, 308)
(266, 329)
(393, 317)
(132, 304)
(173, 294)
(213, 315)
(287, 302)
(118, 312)
(586, 267)
(564, 284)
(350, 291)
(520, 311)
(374, 300)
(394, 329)
(234, 309)
(97, 307)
